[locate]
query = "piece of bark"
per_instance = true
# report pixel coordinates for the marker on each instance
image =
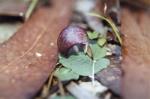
(136, 57)
(27, 59)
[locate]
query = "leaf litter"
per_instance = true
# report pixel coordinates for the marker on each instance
(77, 75)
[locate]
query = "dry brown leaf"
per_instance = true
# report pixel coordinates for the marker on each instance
(136, 61)
(28, 58)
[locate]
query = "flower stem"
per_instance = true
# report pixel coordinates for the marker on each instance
(93, 71)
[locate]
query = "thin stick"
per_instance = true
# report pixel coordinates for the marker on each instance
(86, 48)
(62, 92)
(31, 8)
(50, 80)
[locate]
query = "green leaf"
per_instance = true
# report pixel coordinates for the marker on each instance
(103, 63)
(62, 97)
(97, 51)
(101, 41)
(92, 35)
(114, 28)
(82, 64)
(65, 74)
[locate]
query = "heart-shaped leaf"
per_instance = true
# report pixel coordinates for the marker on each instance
(97, 51)
(92, 35)
(82, 64)
(101, 41)
(65, 74)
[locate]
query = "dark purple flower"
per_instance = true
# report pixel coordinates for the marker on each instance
(70, 36)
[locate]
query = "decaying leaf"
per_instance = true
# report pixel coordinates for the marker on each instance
(16, 9)
(139, 3)
(136, 57)
(28, 58)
